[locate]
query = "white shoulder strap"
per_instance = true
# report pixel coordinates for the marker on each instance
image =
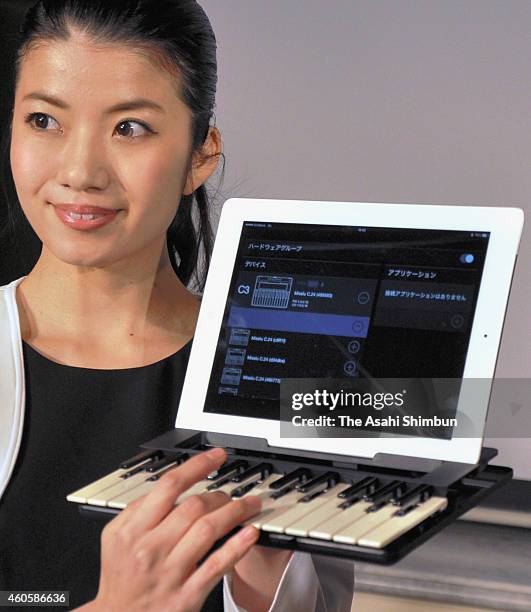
(12, 390)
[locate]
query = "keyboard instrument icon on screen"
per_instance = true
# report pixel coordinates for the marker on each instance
(272, 291)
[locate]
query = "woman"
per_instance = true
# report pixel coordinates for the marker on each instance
(111, 146)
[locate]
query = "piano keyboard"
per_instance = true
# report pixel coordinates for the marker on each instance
(369, 511)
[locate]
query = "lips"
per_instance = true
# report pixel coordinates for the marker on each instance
(85, 217)
(83, 209)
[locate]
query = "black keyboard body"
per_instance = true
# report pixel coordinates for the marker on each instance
(463, 485)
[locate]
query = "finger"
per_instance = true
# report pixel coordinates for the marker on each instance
(123, 515)
(203, 534)
(159, 502)
(223, 560)
(165, 536)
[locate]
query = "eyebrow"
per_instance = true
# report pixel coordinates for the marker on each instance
(126, 105)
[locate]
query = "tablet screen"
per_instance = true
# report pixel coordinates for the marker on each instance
(322, 301)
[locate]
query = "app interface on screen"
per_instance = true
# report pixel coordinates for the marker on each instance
(315, 301)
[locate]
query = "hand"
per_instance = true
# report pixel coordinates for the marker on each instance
(150, 551)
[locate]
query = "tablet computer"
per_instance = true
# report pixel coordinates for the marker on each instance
(345, 290)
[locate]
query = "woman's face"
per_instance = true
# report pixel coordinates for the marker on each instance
(98, 126)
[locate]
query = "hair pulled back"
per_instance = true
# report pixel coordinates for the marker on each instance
(176, 34)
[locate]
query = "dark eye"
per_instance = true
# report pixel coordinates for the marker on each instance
(132, 129)
(42, 121)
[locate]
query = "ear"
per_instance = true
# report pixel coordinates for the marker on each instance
(205, 161)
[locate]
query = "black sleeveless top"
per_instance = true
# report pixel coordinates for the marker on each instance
(79, 425)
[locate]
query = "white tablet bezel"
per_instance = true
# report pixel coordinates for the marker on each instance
(504, 225)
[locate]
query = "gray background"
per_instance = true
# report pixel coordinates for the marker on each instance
(422, 101)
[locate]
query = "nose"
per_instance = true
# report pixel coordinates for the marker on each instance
(83, 164)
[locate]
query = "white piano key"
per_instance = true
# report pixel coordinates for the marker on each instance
(318, 513)
(195, 489)
(101, 498)
(297, 511)
(397, 525)
(271, 507)
(123, 499)
(82, 495)
(300, 510)
(352, 533)
(326, 529)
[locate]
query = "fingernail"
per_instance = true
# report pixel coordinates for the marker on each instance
(249, 533)
(216, 454)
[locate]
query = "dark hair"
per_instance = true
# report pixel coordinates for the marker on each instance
(178, 35)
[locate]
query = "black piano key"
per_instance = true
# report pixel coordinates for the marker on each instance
(236, 467)
(377, 506)
(219, 483)
(419, 493)
(405, 510)
(350, 502)
(243, 489)
(416, 501)
(139, 468)
(313, 494)
(386, 492)
(170, 467)
(367, 485)
(157, 465)
(148, 454)
(228, 468)
(331, 478)
(358, 492)
(264, 469)
(299, 475)
(284, 491)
